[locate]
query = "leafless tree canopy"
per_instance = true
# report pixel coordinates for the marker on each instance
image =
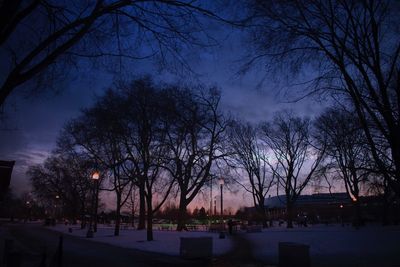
(41, 39)
(290, 140)
(354, 46)
(195, 138)
(63, 178)
(250, 155)
(347, 151)
(158, 138)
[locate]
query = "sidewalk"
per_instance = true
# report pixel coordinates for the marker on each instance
(79, 252)
(240, 256)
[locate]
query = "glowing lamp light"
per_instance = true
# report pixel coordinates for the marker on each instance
(96, 175)
(341, 206)
(93, 228)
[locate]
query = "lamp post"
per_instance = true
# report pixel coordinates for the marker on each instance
(57, 208)
(341, 214)
(95, 178)
(93, 218)
(215, 206)
(210, 213)
(221, 184)
(28, 210)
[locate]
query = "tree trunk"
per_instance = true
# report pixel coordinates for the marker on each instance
(264, 216)
(96, 204)
(385, 210)
(289, 215)
(6, 90)
(182, 215)
(149, 219)
(142, 208)
(83, 218)
(357, 222)
(117, 217)
(262, 211)
(133, 217)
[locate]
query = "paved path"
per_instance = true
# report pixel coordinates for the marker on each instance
(32, 240)
(240, 256)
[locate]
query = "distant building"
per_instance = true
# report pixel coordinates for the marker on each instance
(317, 207)
(327, 208)
(309, 200)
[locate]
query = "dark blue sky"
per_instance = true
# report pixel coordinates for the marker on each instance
(33, 123)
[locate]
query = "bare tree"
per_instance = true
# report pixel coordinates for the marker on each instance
(346, 145)
(144, 141)
(250, 155)
(97, 133)
(132, 204)
(354, 48)
(194, 139)
(64, 178)
(295, 160)
(41, 39)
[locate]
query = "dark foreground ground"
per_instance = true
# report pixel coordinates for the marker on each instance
(330, 247)
(33, 240)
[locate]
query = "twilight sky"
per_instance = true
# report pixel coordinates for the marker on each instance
(29, 132)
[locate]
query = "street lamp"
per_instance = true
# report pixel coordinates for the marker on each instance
(211, 201)
(56, 208)
(95, 178)
(221, 184)
(28, 212)
(341, 214)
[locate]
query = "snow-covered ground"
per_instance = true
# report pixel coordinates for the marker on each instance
(333, 245)
(166, 242)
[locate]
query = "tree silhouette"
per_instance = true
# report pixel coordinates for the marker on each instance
(290, 141)
(354, 46)
(251, 155)
(346, 145)
(195, 139)
(65, 176)
(41, 39)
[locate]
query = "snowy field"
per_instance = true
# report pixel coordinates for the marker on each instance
(333, 245)
(166, 242)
